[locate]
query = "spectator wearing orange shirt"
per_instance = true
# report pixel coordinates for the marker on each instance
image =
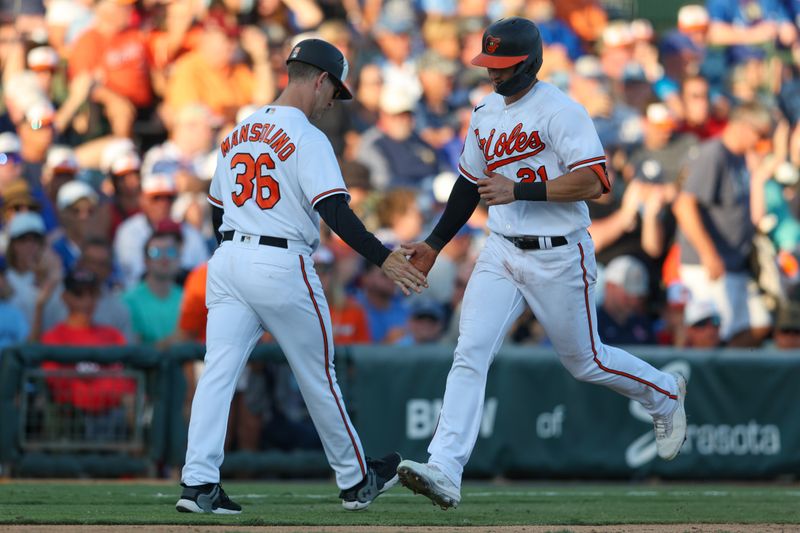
(193, 313)
(348, 318)
(209, 75)
(105, 399)
(117, 55)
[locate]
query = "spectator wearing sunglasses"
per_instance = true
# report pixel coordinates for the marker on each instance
(158, 196)
(154, 303)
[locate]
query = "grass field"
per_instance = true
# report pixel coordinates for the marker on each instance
(483, 504)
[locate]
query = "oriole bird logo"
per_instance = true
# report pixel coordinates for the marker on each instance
(492, 43)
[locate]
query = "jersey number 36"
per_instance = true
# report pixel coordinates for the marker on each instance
(254, 177)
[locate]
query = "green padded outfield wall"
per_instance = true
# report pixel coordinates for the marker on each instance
(538, 421)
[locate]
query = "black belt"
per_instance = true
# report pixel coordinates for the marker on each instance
(531, 242)
(266, 240)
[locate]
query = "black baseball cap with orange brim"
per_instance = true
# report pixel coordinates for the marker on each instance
(501, 51)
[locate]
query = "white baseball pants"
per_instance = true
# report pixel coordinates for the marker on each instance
(251, 288)
(558, 284)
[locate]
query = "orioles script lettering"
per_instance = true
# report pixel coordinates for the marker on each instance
(506, 145)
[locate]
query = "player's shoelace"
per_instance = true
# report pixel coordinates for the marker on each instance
(663, 426)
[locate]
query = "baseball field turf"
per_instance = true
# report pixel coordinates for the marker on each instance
(486, 506)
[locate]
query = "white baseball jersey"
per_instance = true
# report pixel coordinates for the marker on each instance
(540, 137)
(271, 171)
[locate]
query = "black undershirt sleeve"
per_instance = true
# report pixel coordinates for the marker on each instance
(461, 204)
(216, 222)
(341, 219)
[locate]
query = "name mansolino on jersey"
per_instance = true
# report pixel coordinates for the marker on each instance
(280, 143)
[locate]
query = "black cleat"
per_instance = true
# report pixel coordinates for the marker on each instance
(208, 498)
(381, 476)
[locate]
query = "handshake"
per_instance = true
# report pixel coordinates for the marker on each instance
(408, 266)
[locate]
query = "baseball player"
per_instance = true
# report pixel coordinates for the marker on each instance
(276, 175)
(533, 155)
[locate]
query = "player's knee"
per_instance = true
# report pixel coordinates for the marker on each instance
(462, 361)
(579, 366)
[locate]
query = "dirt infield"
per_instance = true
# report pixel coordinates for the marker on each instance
(625, 528)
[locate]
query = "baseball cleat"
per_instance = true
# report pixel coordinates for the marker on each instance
(429, 481)
(208, 498)
(671, 430)
(381, 476)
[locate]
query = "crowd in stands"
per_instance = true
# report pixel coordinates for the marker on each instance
(112, 110)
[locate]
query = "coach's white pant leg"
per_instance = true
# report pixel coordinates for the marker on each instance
(490, 306)
(303, 329)
(231, 333)
(562, 298)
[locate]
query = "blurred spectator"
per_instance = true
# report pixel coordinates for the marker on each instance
(65, 21)
(787, 326)
(176, 33)
(110, 310)
(779, 194)
(671, 326)
(10, 159)
(618, 224)
(399, 217)
(748, 80)
(636, 89)
(394, 35)
(702, 324)
(616, 50)
(103, 399)
(194, 313)
(43, 61)
(34, 272)
(435, 120)
(441, 36)
(366, 97)
(17, 198)
(395, 155)
(617, 124)
(443, 276)
(622, 317)
(122, 166)
(36, 134)
(60, 167)
(158, 194)
(116, 54)
(387, 312)
(554, 31)
(681, 57)
(749, 23)
(696, 108)
(426, 323)
(717, 211)
(210, 75)
(154, 303)
(184, 155)
(348, 318)
(14, 327)
(77, 206)
(660, 162)
(586, 17)
(459, 286)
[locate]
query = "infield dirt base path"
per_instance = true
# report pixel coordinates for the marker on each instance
(624, 528)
